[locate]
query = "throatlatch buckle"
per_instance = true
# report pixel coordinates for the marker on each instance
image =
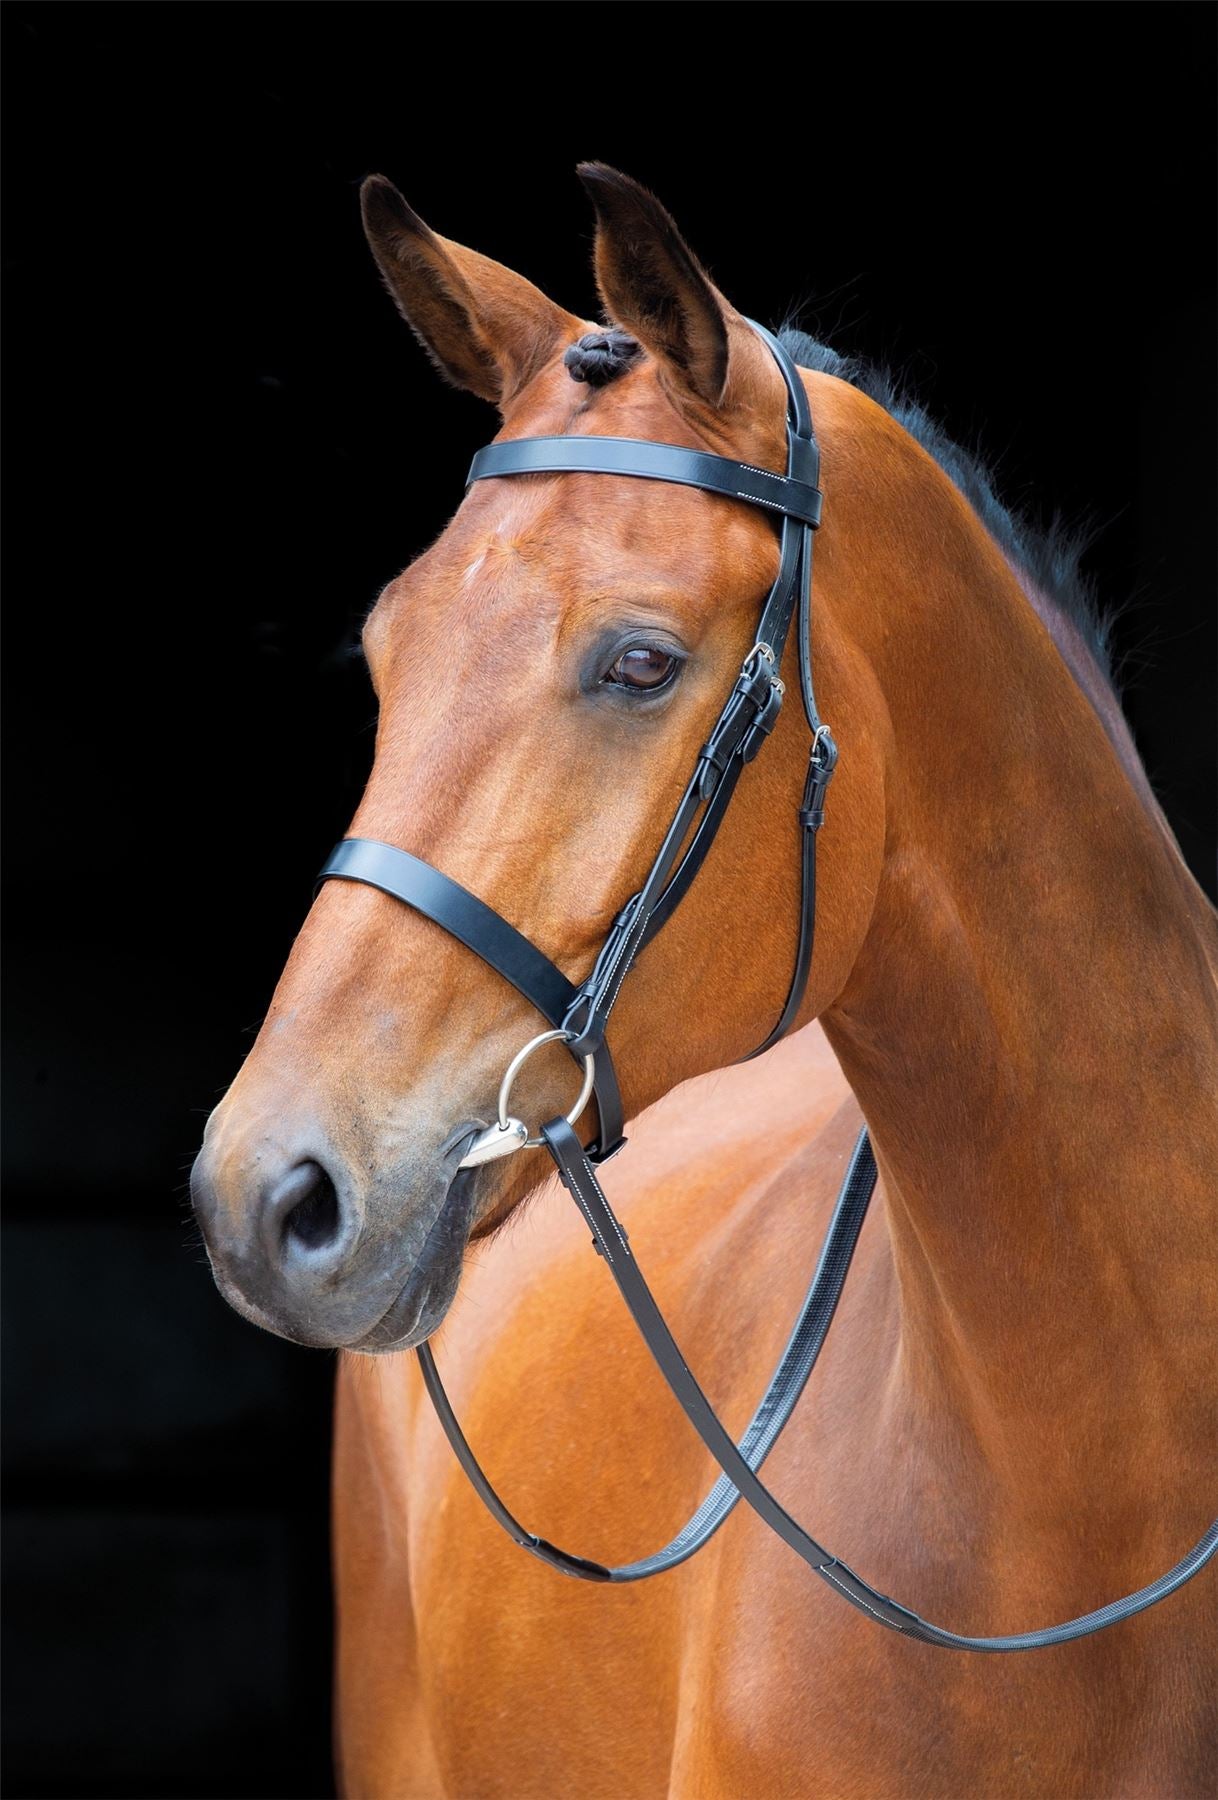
(822, 760)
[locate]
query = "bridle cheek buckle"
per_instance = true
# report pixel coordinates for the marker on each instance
(509, 1133)
(746, 721)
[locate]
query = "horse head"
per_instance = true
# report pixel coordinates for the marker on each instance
(545, 674)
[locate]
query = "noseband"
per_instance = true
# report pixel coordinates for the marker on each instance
(579, 1017)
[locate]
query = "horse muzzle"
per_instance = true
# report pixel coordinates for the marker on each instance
(298, 1246)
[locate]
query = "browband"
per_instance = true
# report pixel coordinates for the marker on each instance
(796, 498)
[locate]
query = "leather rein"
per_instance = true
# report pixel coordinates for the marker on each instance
(579, 1016)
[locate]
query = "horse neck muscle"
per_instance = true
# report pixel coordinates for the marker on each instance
(1031, 1022)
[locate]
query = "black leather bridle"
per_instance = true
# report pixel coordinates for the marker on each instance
(579, 1017)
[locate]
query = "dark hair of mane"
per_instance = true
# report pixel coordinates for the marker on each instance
(1050, 555)
(601, 356)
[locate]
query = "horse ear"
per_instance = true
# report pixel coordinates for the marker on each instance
(485, 328)
(653, 285)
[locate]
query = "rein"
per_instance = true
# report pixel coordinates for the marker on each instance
(579, 1016)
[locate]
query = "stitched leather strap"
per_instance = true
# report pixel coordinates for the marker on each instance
(650, 461)
(799, 409)
(579, 1178)
(439, 898)
(822, 760)
(776, 1406)
(803, 949)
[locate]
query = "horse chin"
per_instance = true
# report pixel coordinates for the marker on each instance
(431, 1286)
(478, 1204)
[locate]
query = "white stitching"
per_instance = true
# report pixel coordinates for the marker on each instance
(823, 1569)
(581, 1202)
(583, 1207)
(612, 1215)
(606, 983)
(610, 998)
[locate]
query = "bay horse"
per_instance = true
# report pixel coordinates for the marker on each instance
(1015, 983)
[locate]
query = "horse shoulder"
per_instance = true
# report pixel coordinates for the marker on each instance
(725, 1189)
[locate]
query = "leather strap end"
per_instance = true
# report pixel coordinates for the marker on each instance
(580, 1567)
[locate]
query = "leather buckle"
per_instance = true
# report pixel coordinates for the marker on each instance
(764, 723)
(746, 721)
(822, 760)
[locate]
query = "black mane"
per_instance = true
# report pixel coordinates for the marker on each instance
(1050, 555)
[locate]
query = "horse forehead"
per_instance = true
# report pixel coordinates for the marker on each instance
(576, 530)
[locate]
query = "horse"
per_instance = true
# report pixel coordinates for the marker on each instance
(1015, 985)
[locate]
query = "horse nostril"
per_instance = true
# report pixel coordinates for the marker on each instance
(313, 1221)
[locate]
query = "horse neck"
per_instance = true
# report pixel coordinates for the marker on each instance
(1031, 1023)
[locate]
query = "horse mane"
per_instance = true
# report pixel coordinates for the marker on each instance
(1049, 555)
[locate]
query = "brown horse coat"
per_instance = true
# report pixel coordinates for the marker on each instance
(1013, 1421)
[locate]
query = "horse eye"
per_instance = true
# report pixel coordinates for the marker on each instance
(645, 668)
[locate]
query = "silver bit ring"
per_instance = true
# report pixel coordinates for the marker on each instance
(517, 1063)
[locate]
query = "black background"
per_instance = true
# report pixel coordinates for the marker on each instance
(222, 441)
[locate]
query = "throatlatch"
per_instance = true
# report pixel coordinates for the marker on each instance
(579, 1017)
